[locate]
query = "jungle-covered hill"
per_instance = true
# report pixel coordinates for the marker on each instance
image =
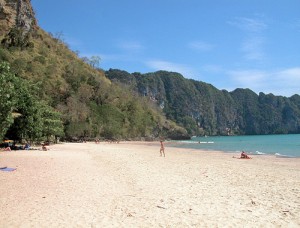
(73, 90)
(47, 90)
(203, 109)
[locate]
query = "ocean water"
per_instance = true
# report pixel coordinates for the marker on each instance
(278, 145)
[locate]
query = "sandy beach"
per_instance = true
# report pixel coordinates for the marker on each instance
(130, 185)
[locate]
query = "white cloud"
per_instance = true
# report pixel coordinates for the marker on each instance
(249, 24)
(289, 77)
(253, 48)
(131, 46)
(186, 71)
(248, 78)
(128, 51)
(200, 46)
(253, 44)
(281, 82)
(213, 68)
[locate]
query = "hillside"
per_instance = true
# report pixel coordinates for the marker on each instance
(203, 109)
(89, 104)
(48, 91)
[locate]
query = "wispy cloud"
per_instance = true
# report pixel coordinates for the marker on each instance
(134, 46)
(253, 48)
(249, 24)
(127, 51)
(281, 82)
(248, 78)
(213, 68)
(185, 70)
(253, 44)
(289, 77)
(200, 46)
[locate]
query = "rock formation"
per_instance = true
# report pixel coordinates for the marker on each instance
(16, 13)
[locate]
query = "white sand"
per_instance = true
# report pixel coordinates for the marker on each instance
(130, 185)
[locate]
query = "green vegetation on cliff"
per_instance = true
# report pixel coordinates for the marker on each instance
(88, 103)
(202, 109)
(23, 115)
(48, 91)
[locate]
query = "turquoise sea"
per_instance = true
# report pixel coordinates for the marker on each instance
(278, 145)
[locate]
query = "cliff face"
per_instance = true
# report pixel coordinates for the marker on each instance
(203, 109)
(17, 13)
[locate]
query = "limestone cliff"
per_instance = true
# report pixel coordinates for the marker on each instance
(16, 13)
(202, 109)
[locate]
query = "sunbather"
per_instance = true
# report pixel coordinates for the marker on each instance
(27, 146)
(7, 148)
(244, 155)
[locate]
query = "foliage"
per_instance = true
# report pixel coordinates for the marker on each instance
(202, 109)
(34, 119)
(8, 97)
(93, 61)
(50, 121)
(16, 38)
(57, 84)
(57, 93)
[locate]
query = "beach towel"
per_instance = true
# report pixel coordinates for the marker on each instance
(7, 169)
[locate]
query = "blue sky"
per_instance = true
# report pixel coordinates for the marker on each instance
(227, 43)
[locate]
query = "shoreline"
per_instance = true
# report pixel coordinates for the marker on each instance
(129, 184)
(233, 153)
(203, 145)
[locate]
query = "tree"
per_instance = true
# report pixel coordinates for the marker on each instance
(8, 98)
(52, 125)
(29, 124)
(94, 61)
(23, 115)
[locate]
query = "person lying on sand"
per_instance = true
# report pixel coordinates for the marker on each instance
(27, 146)
(7, 148)
(45, 146)
(244, 155)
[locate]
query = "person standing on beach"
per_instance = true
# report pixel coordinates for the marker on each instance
(162, 148)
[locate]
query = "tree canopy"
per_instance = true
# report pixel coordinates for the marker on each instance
(23, 115)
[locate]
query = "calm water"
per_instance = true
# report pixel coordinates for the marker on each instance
(288, 145)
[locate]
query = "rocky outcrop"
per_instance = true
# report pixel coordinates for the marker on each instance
(202, 109)
(16, 13)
